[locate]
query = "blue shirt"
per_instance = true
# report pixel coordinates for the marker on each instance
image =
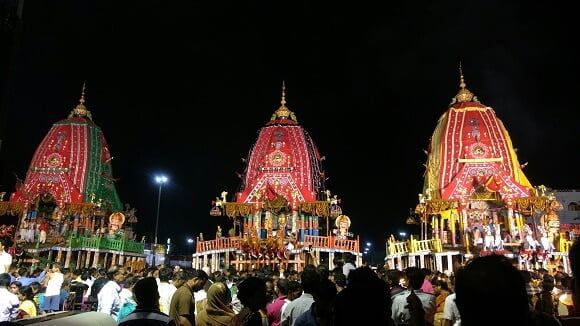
(27, 280)
(306, 319)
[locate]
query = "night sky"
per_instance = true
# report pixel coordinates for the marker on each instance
(183, 87)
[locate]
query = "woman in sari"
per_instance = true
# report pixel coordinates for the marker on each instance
(218, 311)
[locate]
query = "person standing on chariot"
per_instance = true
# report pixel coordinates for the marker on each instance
(497, 241)
(488, 239)
(545, 241)
(530, 242)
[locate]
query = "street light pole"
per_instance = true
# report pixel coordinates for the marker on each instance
(160, 181)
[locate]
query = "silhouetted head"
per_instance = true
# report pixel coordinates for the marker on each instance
(282, 285)
(165, 274)
(495, 280)
(252, 293)
(365, 295)
(146, 294)
(310, 280)
(415, 277)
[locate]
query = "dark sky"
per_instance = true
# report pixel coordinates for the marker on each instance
(183, 87)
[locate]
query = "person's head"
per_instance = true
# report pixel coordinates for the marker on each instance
(340, 280)
(337, 261)
(65, 285)
(252, 293)
(25, 293)
(547, 286)
(196, 279)
(4, 280)
(165, 274)
(491, 278)
(270, 288)
(294, 290)
(282, 286)
(394, 276)
(76, 273)
(365, 293)
(146, 294)
(440, 286)
(310, 267)
(66, 271)
(116, 273)
(14, 287)
(179, 278)
(130, 281)
(348, 257)
(4, 244)
(85, 275)
(428, 273)
(218, 296)
(415, 277)
(35, 286)
(23, 271)
(56, 267)
(310, 280)
(323, 271)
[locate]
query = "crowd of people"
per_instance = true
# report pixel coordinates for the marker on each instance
(476, 294)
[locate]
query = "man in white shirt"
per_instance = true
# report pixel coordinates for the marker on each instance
(9, 302)
(310, 280)
(52, 292)
(400, 307)
(349, 263)
(108, 297)
(450, 312)
(5, 258)
(166, 289)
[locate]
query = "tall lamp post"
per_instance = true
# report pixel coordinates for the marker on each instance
(369, 253)
(161, 180)
(189, 243)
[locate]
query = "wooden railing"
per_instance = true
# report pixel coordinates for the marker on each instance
(219, 244)
(331, 243)
(104, 243)
(397, 247)
(432, 245)
(309, 240)
(412, 246)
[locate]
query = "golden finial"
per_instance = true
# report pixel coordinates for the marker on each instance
(283, 101)
(283, 112)
(81, 110)
(464, 95)
(461, 79)
(82, 100)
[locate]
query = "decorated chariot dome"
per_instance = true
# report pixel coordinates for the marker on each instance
(471, 152)
(282, 213)
(72, 164)
(283, 164)
(473, 182)
(475, 198)
(68, 201)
